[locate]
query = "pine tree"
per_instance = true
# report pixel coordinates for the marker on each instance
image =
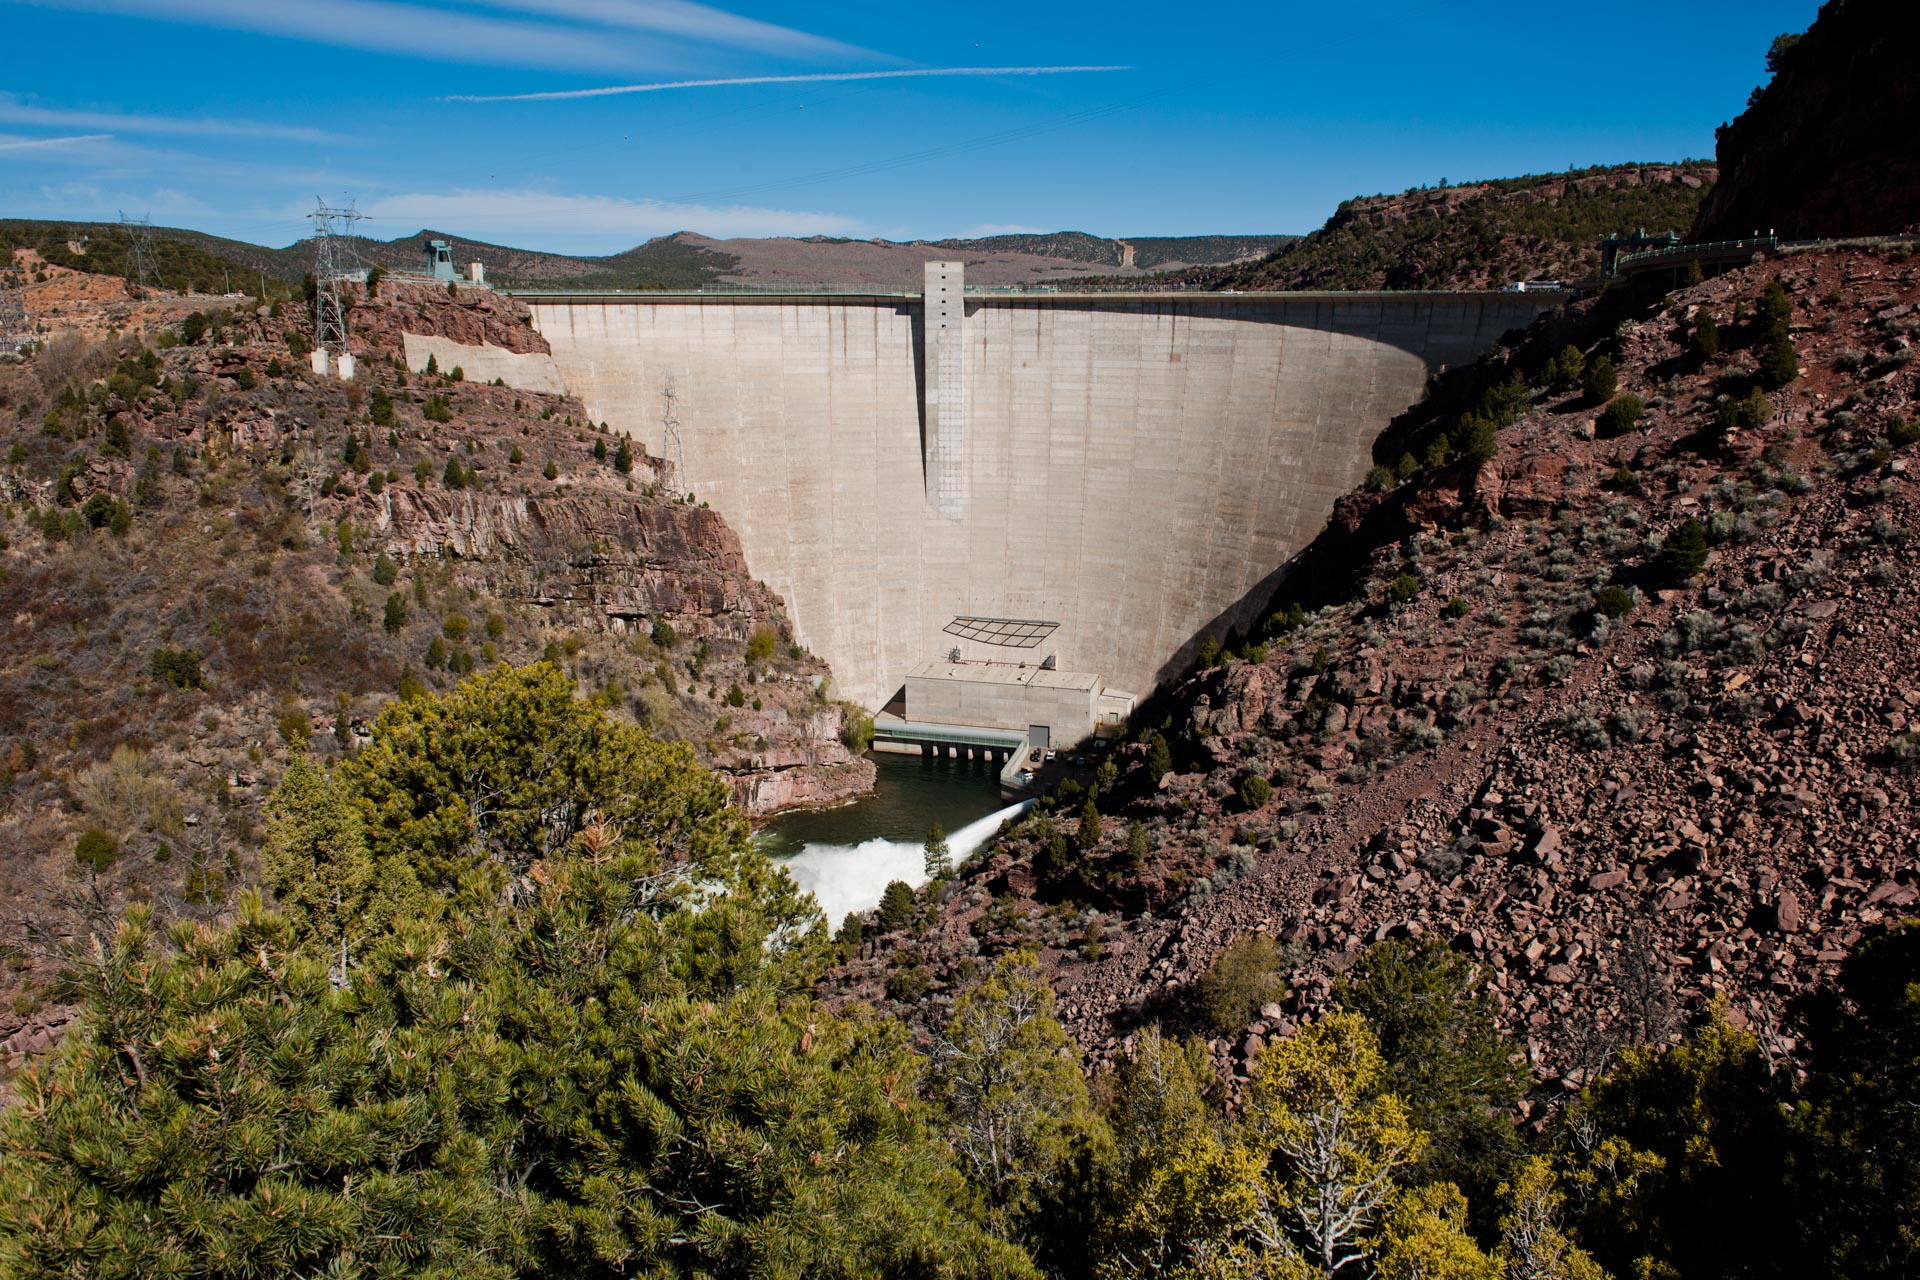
(937, 858)
(1599, 381)
(1010, 1093)
(896, 906)
(1424, 1237)
(1705, 340)
(1159, 758)
(317, 865)
(1684, 553)
(1333, 1137)
(600, 1066)
(1087, 837)
(1440, 1037)
(1181, 1191)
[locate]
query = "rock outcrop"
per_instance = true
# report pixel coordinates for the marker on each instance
(1828, 149)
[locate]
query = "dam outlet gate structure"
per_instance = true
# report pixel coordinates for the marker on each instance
(1137, 467)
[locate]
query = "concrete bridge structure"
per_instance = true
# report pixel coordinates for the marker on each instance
(1136, 467)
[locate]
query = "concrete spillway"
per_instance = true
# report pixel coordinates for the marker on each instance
(1134, 467)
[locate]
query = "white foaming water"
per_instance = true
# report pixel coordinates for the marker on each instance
(851, 877)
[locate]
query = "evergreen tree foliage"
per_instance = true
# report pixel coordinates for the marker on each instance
(1012, 1098)
(1533, 1243)
(317, 864)
(595, 1066)
(1565, 370)
(1249, 973)
(1424, 1237)
(1439, 1035)
(1779, 362)
(467, 793)
(1694, 1140)
(1859, 1174)
(1333, 1138)
(1087, 835)
(896, 906)
(937, 857)
(1598, 380)
(1684, 553)
(1180, 1192)
(1159, 758)
(1622, 414)
(1704, 342)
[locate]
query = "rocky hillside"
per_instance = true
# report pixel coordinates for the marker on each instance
(210, 558)
(1492, 707)
(1826, 148)
(1482, 235)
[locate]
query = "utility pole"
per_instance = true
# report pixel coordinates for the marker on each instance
(331, 228)
(143, 271)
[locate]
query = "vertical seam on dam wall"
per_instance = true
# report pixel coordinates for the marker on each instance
(1132, 468)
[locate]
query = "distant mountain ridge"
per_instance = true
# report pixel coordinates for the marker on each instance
(685, 259)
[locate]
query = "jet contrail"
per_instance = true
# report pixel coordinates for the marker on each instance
(612, 90)
(24, 144)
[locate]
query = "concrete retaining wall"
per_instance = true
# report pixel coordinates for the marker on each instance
(527, 370)
(1135, 465)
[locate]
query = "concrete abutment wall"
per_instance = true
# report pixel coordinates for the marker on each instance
(1131, 466)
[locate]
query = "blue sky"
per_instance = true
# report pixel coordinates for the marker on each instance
(1129, 118)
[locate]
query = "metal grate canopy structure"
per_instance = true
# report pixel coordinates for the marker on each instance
(1008, 633)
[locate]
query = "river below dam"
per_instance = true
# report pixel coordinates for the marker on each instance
(846, 856)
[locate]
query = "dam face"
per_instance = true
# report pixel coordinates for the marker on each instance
(1130, 466)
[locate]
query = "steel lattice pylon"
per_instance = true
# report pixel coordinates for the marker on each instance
(332, 229)
(670, 439)
(15, 333)
(143, 270)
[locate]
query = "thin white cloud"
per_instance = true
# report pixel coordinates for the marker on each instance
(587, 223)
(407, 30)
(607, 91)
(15, 111)
(10, 143)
(986, 229)
(683, 20)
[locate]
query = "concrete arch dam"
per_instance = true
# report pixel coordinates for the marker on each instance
(1133, 467)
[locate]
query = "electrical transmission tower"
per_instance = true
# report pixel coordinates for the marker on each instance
(15, 333)
(670, 421)
(332, 250)
(143, 270)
